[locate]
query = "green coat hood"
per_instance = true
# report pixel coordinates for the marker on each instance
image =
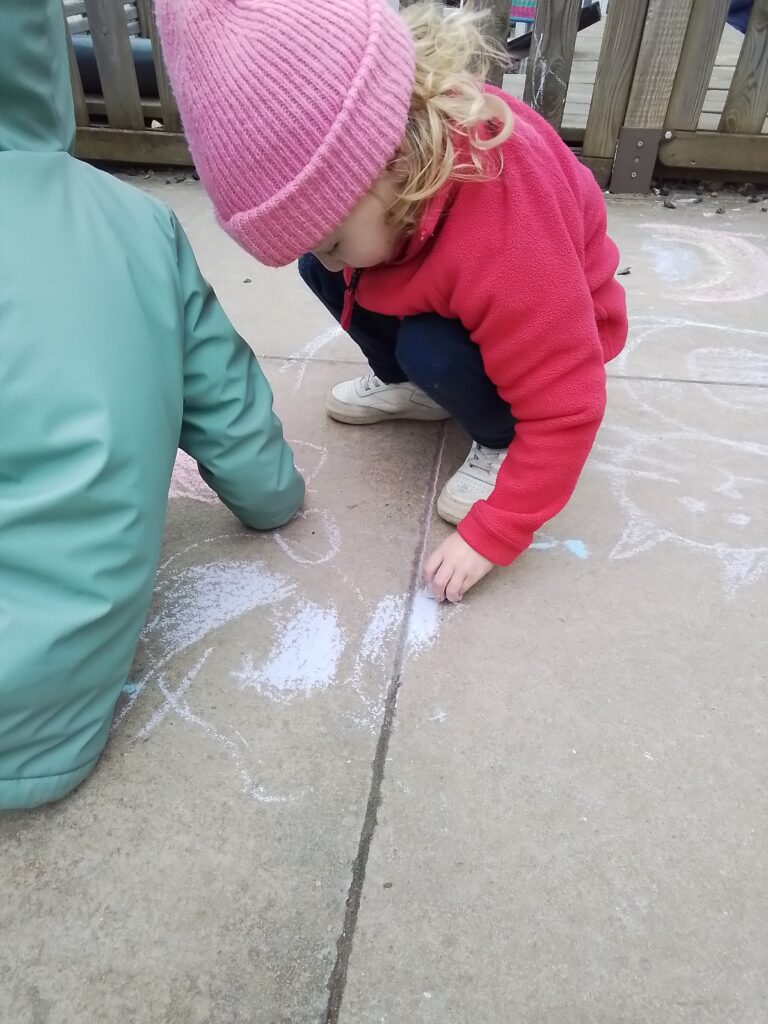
(36, 110)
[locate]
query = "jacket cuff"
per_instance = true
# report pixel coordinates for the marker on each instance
(485, 543)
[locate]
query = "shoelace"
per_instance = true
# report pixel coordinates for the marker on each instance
(371, 382)
(484, 461)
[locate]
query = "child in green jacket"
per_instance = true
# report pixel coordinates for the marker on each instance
(115, 352)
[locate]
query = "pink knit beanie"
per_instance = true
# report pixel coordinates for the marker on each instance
(291, 109)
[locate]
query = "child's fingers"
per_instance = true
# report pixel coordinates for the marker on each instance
(441, 580)
(456, 588)
(431, 566)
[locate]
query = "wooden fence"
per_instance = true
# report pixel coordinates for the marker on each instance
(118, 123)
(645, 93)
(652, 78)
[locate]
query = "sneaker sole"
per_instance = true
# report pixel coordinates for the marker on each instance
(451, 509)
(359, 415)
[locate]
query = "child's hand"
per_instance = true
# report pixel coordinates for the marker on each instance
(453, 568)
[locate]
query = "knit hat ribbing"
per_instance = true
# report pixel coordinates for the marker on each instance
(291, 110)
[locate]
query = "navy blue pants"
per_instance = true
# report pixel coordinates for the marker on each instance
(738, 14)
(436, 354)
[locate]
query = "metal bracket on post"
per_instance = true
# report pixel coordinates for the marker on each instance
(636, 154)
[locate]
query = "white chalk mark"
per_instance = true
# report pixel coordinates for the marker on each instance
(192, 602)
(381, 626)
(201, 598)
(299, 550)
(174, 702)
(172, 698)
(736, 365)
(721, 495)
(692, 468)
(307, 352)
(643, 327)
(542, 71)
(685, 357)
(242, 738)
(738, 268)
(180, 708)
(693, 504)
(310, 459)
(193, 547)
(186, 481)
(424, 622)
(197, 600)
(739, 519)
(304, 658)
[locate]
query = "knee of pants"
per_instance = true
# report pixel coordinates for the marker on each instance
(307, 264)
(328, 287)
(429, 347)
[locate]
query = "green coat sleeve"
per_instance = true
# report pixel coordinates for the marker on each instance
(228, 423)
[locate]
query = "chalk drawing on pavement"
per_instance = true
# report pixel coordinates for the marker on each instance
(707, 266)
(701, 493)
(307, 648)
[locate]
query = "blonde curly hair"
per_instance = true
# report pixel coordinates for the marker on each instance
(453, 124)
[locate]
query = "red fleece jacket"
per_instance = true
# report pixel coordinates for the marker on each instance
(524, 262)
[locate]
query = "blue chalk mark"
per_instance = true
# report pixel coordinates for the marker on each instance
(130, 688)
(576, 547)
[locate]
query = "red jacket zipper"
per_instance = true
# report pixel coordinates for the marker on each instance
(349, 300)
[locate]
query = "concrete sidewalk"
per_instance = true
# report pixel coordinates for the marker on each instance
(329, 799)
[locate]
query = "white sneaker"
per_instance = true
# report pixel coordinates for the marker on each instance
(472, 482)
(369, 400)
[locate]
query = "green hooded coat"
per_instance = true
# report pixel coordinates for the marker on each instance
(113, 352)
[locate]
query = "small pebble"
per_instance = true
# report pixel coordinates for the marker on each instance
(167, 181)
(663, 191)
(246, 280)
(753, 199)
(179, 178)
(764, 209)
(669, 205)
(699, 190)
(624, 272)
(387, 885)
(195, 176)
(720, 209)
(698, 199)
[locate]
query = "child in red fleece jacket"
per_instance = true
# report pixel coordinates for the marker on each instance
(452, 233)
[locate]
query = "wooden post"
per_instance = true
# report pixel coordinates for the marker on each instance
(549, 63)
(613, 81)
(498, 16)
(662, 43)
(114, 59)
(170, 112)
(746, 104)
(144, 17)
(694, 71)
(78, 96)
(657, 61)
